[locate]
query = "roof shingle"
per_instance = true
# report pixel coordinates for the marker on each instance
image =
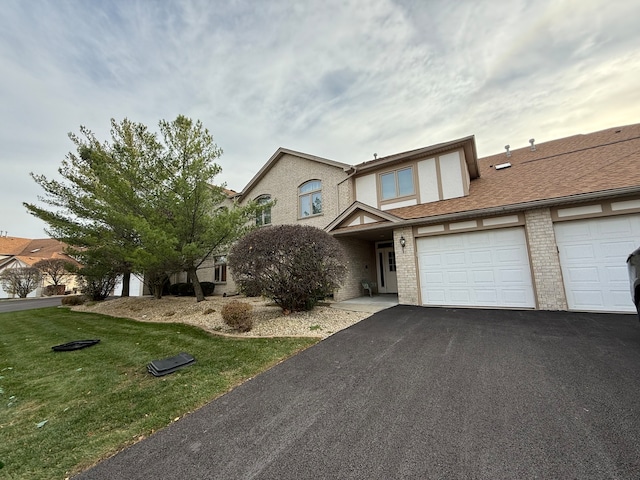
(559, 169)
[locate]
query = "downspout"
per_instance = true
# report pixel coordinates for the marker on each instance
(346, 170)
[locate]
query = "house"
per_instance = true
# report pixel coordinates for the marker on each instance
(547, 226)
(23, 252)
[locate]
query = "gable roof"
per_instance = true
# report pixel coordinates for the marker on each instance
(373, 217)
(13, 245)
(30, 252)
(279, 154)
(468, 144)
(566, 170)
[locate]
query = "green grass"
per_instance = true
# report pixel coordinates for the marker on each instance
(97, 400)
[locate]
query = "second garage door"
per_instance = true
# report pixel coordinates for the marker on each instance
(593, 255)
(483, 269)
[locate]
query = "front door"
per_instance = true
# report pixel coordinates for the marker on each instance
(386, 263)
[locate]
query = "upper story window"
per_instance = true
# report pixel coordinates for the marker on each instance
(264, 216)
(310, 198)
(398, 183)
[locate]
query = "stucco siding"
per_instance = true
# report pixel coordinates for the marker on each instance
(451, 176)
(366, 190)
(428, 181)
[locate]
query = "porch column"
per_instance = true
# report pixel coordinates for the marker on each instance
(406, 268)
(545, 262)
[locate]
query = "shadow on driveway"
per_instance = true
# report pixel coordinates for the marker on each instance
(416, 392)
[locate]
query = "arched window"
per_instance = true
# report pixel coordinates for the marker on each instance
(310, 198)
(263, 217)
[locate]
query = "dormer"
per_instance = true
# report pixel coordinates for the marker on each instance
(426, 175)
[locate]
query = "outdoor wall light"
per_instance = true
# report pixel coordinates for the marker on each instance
(403, 242)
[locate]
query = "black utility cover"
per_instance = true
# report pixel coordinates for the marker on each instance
(170, 365)
(75, 345)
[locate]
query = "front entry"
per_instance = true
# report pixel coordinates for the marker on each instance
(386, 263)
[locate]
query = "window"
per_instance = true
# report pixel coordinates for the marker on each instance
(220, 270)
(263, 217)
(398, 183)
(310, 198)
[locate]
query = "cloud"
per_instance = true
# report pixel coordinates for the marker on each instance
(339, 79)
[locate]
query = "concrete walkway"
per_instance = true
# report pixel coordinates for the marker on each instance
(372, 304)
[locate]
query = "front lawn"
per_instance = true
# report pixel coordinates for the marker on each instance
(61, 412)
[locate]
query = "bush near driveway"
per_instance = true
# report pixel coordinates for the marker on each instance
(60, 412)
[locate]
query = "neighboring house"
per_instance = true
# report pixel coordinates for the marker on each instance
(23, 252)
(546, 226)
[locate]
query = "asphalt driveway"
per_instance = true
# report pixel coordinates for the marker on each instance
(416, 392)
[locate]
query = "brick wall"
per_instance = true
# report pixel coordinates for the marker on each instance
(545, 262)
(346, 195)
(406, 267)
(282, 181)
(361, 266)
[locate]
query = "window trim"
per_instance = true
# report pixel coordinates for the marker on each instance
(309, 194)
(220, 264)
(260, 221)
(397, 185)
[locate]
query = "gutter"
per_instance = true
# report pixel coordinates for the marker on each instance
(505, 209)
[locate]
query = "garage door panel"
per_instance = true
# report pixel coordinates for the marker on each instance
(584, 274)
(487, 296)
(612, 227)
(480, 240)
(455, 259)
(477, 269)
(484, 276)
(515, 297)
(483, 257)
(434, 278)
(455, 277)
(512, 255)
(618, 274)
(430, 260)
(583, 252)
(590, 298)
(460, 296)
(514, 275)
(593, 257)
(611, 250)
(437, 296)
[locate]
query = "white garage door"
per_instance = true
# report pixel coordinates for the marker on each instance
(484, 269)
(593, 256)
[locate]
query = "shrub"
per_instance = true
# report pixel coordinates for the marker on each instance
(182, 289)
(294, 265)
(207, 288)
(98, 287)
(174, 289)
(238, 315)
(249, 288)
(73, 300)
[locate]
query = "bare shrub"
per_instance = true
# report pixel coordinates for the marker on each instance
(238, 315)
(73, 300)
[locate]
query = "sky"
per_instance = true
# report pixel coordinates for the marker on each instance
(339, 79)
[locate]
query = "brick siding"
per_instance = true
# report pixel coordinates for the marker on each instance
(406, 267)
(545, 262)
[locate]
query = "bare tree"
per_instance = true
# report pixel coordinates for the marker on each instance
(56, 269)
(20, 281)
